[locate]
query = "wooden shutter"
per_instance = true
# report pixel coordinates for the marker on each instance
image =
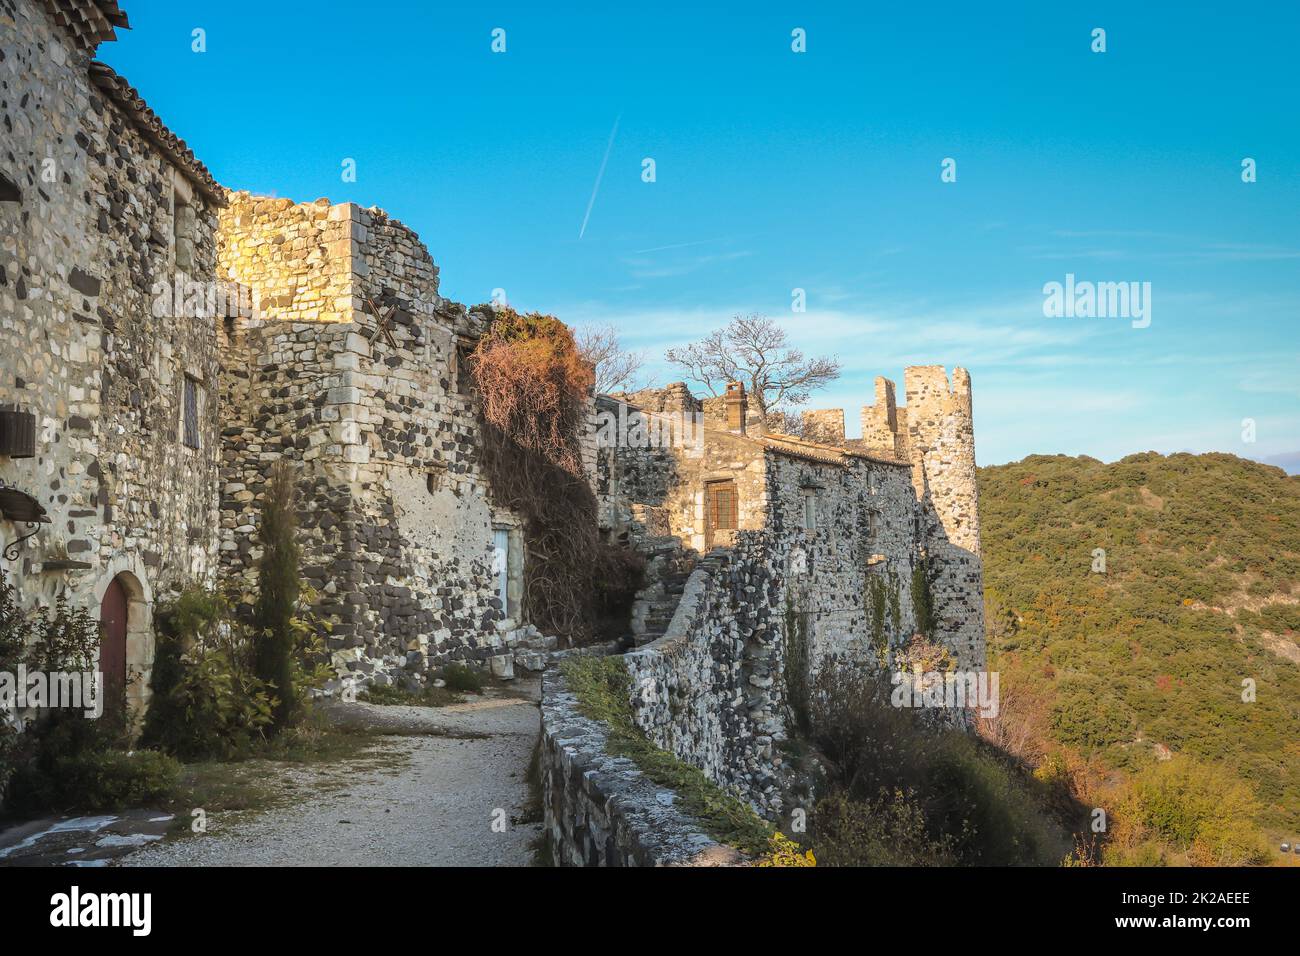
(721, 511)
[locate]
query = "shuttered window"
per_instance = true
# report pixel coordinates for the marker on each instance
(721, 506)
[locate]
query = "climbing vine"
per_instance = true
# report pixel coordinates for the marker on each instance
(533, 387)
(923, 597)
(883, 605)
(877, 603)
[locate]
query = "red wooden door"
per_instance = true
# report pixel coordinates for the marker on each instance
(112, 646)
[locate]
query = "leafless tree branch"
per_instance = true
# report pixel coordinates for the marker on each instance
(617, 368)
(755, 350)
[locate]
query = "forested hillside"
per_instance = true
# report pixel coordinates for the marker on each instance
(1130, 607)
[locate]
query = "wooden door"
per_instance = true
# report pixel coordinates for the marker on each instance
(720, 509)
(112, 646)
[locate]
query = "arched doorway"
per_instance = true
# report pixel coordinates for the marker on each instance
(113, 619)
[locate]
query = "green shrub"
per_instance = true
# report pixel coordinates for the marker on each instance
(59, 639)
(1129, 653)
(976, 807)
(1196, 809)
(796, 665)
(207, 702)
(923, 597)
(93, 780)
(462, 678)
(1087, 715)
(890, 830)
(391, 695)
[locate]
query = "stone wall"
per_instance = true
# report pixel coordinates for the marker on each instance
(105, 220)
(830, 544)
(935, 432)
(824, 425)
(658, 486)
(864, 530)
(600, 810)
(300, 257)
(714, 689)
(711, 690)
(367, 401)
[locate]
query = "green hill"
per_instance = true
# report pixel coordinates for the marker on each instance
(1200, 592)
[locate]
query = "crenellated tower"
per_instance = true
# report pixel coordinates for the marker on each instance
(935, 432)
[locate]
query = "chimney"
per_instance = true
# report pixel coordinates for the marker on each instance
(737, 407)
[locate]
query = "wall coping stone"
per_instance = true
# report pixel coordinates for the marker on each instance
(642, 826)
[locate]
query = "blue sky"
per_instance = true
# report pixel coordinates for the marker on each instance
(820, 171)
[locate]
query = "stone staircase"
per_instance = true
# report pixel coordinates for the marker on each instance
(668, 565)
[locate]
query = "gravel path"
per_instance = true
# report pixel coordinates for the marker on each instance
(456, 795)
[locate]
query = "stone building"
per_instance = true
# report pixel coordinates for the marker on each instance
(166, 342)
(679, 476)
(770, 555)
(108, 404)
(352, 369)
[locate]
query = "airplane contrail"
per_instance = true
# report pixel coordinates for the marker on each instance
(600, 175)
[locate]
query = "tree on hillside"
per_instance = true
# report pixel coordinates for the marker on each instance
(617, 369)
(755, 350)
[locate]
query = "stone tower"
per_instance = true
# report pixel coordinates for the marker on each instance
(935, 432)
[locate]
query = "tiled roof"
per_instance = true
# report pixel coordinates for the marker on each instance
(787, 444)
(147, 121)
(88, 22)
(798, 448)
(831, 454)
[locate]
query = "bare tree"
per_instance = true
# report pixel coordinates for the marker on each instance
(617, 368)
(756, 351)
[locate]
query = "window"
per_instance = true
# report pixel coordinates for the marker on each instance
(190, 423)
(809, 511)
(501, 564)
(9, 191)
(508, 568)
(873, 525)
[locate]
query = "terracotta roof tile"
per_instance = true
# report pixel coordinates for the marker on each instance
(88, 22)
(152, 127)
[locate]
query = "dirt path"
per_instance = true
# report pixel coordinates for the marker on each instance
(429, 794)
(436, 808)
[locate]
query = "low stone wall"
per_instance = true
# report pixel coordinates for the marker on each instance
(600, 810)
(711, 690)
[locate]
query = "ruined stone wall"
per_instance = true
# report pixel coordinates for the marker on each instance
(300, 257)
(656, 484)
(80, 253)
(935, 433)
(824, 425)
(715, 689)
(600, 810)
(399, 519)
(864, 530)
(711, 690)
